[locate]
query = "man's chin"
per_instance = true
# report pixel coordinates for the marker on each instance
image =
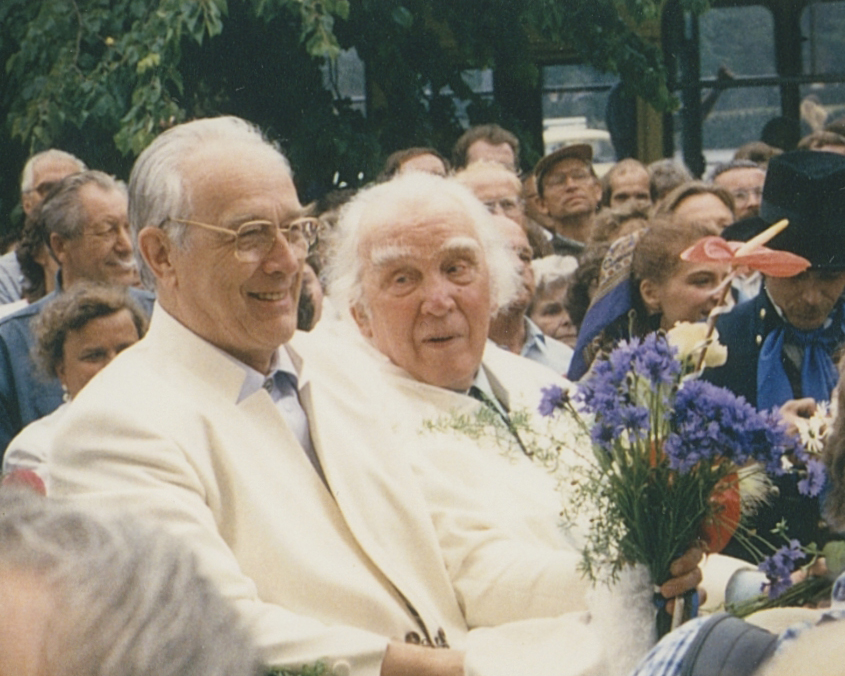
(806, 322)
(123, 276)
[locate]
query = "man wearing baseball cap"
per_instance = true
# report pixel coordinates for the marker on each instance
(569, 193)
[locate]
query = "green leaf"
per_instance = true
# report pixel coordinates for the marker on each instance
(402, 16)
(149, 61)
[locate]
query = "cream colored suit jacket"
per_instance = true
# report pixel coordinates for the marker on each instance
(319, 573)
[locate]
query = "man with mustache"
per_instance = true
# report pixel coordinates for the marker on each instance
(782, 343)
(85, 216)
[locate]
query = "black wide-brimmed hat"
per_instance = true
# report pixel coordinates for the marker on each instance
(807, 187)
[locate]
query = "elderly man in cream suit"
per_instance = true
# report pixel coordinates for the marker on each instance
(419, 348)
(421, 268)
(297, 502)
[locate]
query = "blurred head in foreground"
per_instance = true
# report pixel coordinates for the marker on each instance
(86, 596)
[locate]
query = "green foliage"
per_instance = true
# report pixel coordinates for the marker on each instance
(316, 669)
(103, 77)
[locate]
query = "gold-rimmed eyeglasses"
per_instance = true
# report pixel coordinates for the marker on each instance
(255, 239)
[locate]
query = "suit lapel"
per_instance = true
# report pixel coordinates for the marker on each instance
(368, 474)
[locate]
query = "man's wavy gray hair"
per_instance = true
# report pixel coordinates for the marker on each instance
(158, 191)
(51, 154)
(63, 211)
(416, 195)
(125, 599)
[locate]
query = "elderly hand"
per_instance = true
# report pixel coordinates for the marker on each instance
(796, 409)
(404, 659)
(686, 576)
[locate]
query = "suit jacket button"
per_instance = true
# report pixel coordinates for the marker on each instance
(341, 668)
(759, 340)
(762, 313)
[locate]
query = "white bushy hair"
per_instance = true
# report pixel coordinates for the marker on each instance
(416, 196)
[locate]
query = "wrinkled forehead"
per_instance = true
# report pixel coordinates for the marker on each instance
(385, 254)
(493, 185)
(630, 175)
(416, 224)
(741, 175)
(52, 169)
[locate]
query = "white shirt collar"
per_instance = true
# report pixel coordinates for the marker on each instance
(254, 380)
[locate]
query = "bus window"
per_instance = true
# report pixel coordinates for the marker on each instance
(823, 27)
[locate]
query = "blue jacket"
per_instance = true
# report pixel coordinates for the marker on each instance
(743, 331)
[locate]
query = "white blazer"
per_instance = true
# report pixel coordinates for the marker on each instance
(320, 573)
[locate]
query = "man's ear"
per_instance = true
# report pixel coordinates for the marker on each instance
(362, 319)
(27, 203)
(58, 245)
(649, 292)
(597, 193)
(157, 249)
(541, 206)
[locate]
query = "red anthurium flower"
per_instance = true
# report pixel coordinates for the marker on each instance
(719, 528)
(768, 261)
(24, 478)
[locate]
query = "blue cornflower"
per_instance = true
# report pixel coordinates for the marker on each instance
(634, 419)
(619, 360)
(599, 393)
(778, 567)
(811, 485)
(602, 435)
(553, 398)
(655, 360)
(710, 421)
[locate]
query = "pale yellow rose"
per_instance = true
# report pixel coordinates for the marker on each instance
(691, 337)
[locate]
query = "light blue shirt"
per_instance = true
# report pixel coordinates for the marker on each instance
(11, 278)
(282, 386)
(546, 350)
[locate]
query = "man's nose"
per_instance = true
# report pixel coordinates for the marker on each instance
(811, 294)
(438, 296)
(283, 257)
(123, 242)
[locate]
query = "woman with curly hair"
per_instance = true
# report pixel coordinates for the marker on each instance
(77, 335)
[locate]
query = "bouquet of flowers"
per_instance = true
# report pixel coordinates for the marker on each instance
(669, 449)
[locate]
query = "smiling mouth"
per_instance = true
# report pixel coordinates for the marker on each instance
(270, 296)
(128, 264)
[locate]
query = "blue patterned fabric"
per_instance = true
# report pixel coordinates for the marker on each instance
(612, 300)
(667, 657)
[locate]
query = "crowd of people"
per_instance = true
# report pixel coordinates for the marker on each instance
(198, 352)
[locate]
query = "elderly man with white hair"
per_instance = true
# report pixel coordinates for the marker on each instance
(420, 266)
(40, 174)
(421, 269)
